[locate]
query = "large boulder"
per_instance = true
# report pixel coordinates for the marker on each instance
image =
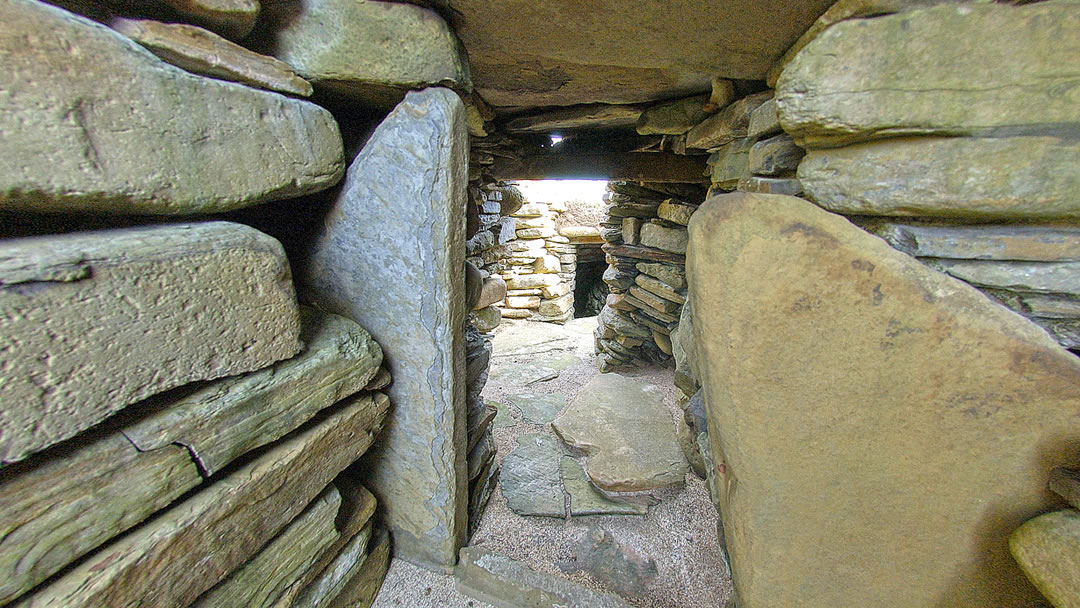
(367, 49)
(397, 270)
(879, 428)
(96, 321)
(993, 177)
(94, 123)
(916, 73)
(1048, 549)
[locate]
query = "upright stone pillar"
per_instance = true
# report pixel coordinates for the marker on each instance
(391, 256)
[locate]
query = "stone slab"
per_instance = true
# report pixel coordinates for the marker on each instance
(818, 342)
(769, 185)
(617, 565)
(660, 288)
(492, 291)
(373, 51)
(360, 590)
(346, 564)
(775, 156)
(97, 321)
(727, 125)
(1039, 277)
(664, 238)
(538, 409)
(64, 502)
(1048, 549)
(673, 276)
(357, 507)
(198, 51)
(592, 116)
(585, 499)
(196, 543)
(530, 479)
(233, 19)
(673, 118)
(259, 582)
(94, 123)
(1050, 243)
(407, 290)
(913, 73)
(224, 419)
(627, 433)
(675, 211)
(506, 583)
(1017, 178)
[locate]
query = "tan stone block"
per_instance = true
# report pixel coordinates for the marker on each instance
(659, 288)
(361, 589)
(532, 281)
(555, 291)
(888, 376)
(1048, 549)
(100, 320)
(631, 228)
(675, 211)
(492, 292)
(557, 307)
(665, 238)
(652, 300)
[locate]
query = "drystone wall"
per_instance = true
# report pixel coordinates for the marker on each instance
(932, 322)
(540, 270)
(182, 422)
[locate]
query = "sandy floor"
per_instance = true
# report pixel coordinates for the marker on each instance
(679, 532)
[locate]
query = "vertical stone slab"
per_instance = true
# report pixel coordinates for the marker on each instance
(882, 427)
(390, 256)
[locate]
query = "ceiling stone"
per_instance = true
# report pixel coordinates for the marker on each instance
(567, 52)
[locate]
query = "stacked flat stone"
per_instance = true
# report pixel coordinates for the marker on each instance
(955, 173)
(646, 274)
(483, 471)
(540, 270)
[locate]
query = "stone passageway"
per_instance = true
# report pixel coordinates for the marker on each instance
(537, 370)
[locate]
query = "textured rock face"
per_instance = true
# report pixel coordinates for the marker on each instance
(194, 544)
(914, 72)
(525, 55)
(95, 123)
(627, 433)
(530, 478)
(1005, 177)
(820, 344)
(230, 18)
(100, 320)
(1048, 549)
(397, 270)
(373, 50)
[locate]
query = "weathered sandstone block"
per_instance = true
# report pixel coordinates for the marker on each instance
(95, 123)
(227, 418)
(775, 156)
(96, 321)
(1048, 549)
(331, 580)
(193, 545)
(673, 118)
(1006, 177)
(201, 52)
(259, 582)
(665, 238)
(915, 73)
(396, 269)
(231, 18)
(373, 50)
(818, 343)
